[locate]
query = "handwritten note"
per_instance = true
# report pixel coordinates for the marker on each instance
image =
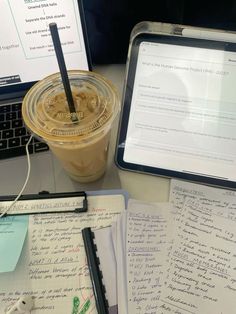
(202, 270)
(121, 264)
(148, 244)
(53, 266)
(45, 205)
(12, 236)
(179, 190)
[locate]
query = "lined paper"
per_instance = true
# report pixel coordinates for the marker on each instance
(202, 270)
(198, 273)
(149, 240)
(53, 267)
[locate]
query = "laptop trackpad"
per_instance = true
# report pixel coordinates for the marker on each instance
(13, 173)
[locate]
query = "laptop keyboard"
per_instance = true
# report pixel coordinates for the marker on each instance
(13, 134)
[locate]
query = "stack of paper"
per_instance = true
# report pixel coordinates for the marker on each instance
(178, 257)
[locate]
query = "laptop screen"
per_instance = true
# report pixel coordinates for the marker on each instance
(26, 48)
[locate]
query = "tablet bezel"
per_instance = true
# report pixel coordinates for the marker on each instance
(127, 97)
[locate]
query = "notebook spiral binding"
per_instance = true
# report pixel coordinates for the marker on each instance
(95, 271)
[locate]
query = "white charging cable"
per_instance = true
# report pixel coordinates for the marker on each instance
(26, 180)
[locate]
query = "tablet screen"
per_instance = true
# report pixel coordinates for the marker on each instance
(182, 111)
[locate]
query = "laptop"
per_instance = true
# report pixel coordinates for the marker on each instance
(26, 56)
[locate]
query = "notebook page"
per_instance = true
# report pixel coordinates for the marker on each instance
(202, 269)
(148, 243)
(52, 266)
(179, 190)
(121, 264)
(114, 240)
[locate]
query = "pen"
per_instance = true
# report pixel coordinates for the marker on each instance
(211, 35)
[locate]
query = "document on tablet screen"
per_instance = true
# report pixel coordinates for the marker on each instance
(183, 110)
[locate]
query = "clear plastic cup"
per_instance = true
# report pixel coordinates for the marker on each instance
(81, 147)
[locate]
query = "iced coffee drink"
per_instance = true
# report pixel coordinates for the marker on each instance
(81, 146)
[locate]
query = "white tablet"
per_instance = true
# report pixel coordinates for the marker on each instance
(179, 104)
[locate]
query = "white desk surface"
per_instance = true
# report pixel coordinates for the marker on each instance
(139, 186)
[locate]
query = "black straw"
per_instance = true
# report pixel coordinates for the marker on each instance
(63, 70)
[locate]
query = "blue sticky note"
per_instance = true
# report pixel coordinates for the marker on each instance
(12, 236)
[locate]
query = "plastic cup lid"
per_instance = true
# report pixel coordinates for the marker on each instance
(46, 112)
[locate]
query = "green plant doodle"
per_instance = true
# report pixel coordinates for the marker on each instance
(85, 307)
(76, 304)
